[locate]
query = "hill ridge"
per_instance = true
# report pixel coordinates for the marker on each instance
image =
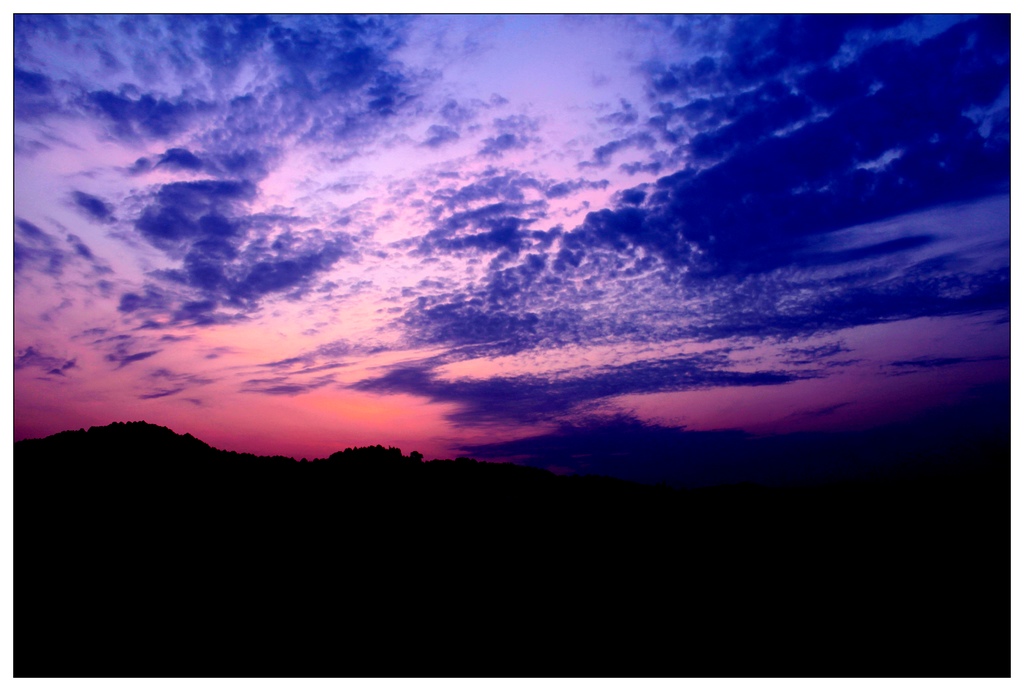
(174, 558)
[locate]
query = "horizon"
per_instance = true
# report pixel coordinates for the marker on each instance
(576, 242)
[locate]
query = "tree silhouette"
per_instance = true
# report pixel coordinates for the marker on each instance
(191, 561)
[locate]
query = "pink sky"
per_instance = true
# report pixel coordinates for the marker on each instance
(289, 235)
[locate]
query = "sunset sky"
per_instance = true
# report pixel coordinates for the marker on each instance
(630, 245)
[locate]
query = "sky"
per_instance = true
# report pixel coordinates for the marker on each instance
(690, 249)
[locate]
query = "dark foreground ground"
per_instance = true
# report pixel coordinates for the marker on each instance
(142, 553)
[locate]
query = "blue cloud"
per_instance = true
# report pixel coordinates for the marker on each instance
(275, 275)
(50, 364)
(565, 188)
(286, 386)
(504, 185)
(455, 113)
(949, 438)
(758, 47)
(439, 135)
(886, 134)
(162, 393)
(814, 355)
(498, 226)
(93, 207)
(181, 159)
(148, 115)
(603, 154)
(534, 398)
(461, 320)
(514, 132)
(31, 82)
(35, 248)
(777, 308)
(245, 163)
(231, 163)
(186, 210)
(153, 299)
(226, 260)
(184, 379)
(123, 358)
(901, 367)
(34, 96)
(228, 40)
(81, 249)
(389, 92)
(322, 77)
(625, 116)
(545, 295)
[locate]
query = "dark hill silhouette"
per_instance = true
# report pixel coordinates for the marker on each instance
(141, 552)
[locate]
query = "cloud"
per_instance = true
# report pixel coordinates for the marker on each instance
(141, 165)
(244, 163)
(35, 248)
(623, 446)
(461, 320)
(804, 153)
(81, 249)
(603, 154)
(146, 116)
(224, 96)
(492, 183)
(152, 299)
(286, 386)
(536, 398)
(930, 363)
(120, 353)
(337, 78)
(277, 274)
(389, 93)
(93, 207)
(455, 113)
(229, 258)
(901, 367)
(944, 439)
(229, 40)
(162, 393)
(312, 77)
(777, 306)
(34, 357)
(595, 285)
(183, 211)
(814, 354)
(514, 132)
(878, 249)
(179, 377)
(123, 358)
(31, 82)
(637, 167)
(627, 115)
(33, 96)
(180, 159)
(755, 48)
(821, 412)
(439, 135)
(499, 225)
(564, 189)
(496, 146)
(232, 163)
(492, 213)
